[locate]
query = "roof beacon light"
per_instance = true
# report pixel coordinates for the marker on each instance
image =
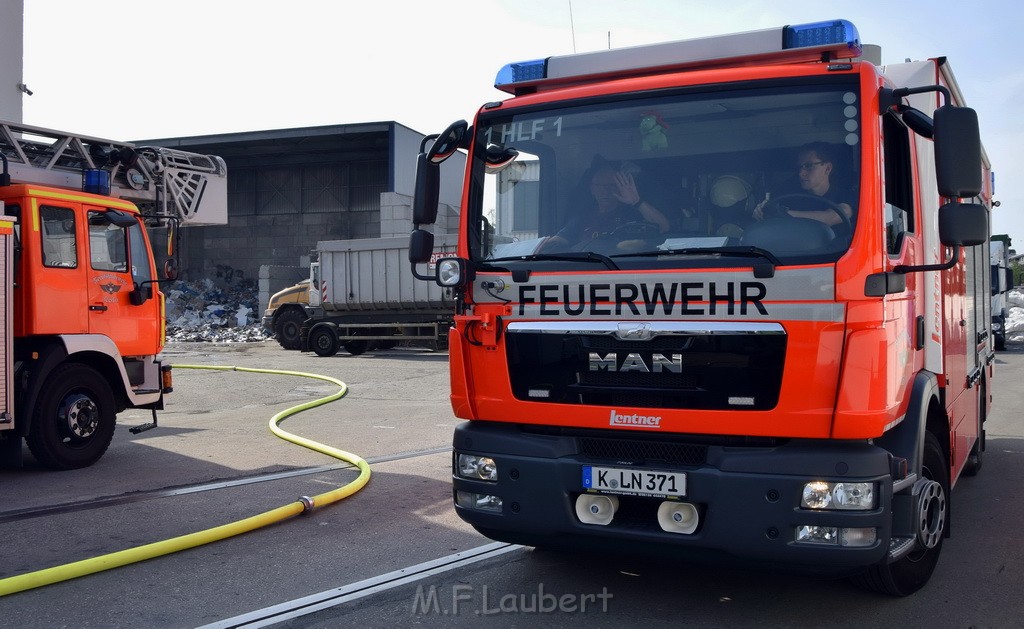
(836, 39)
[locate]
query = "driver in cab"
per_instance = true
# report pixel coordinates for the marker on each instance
(814, 171)
(614, 202)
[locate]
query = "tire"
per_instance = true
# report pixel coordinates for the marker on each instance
(323, 341)
(911, 572)
(74, 418)
(356, 347)
(287, 328)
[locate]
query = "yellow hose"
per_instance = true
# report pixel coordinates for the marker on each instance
(117, 559)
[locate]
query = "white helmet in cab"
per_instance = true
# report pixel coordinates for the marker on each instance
(728, 190)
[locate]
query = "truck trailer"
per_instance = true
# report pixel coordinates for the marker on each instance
(723, 298)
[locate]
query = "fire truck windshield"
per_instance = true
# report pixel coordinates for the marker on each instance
(772, 168)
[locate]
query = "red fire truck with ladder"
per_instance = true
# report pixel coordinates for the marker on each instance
(83, 314)
(725, 298)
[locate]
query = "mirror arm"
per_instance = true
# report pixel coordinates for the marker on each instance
(420, 276)
(903, 268)
(426, 139)
(902, 92)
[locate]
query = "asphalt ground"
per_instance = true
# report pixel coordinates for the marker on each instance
(212, 460)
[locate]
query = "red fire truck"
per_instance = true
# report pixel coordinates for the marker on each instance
(81, 307)
(726, 298)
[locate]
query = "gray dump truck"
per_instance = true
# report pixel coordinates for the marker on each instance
(362, 296)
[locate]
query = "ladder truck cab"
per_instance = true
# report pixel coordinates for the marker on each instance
(83, 317)
(725, 298)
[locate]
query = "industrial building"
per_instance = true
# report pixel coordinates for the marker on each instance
(289, 188)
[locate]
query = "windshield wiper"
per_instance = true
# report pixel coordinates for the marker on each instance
(746, 252)
(586, 256)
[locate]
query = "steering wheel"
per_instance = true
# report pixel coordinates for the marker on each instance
(774, 208)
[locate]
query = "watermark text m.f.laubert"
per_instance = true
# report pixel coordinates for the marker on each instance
(484, 601)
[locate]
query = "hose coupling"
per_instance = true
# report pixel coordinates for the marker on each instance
(307, 503)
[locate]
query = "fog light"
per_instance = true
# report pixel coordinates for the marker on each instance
(817, 535)
(834, 536)
(481, 502)
(841, 496)
(857, 537)
(474, 467)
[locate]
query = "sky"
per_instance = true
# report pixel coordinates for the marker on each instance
(135, 69)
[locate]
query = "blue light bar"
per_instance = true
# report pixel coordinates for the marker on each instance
(521, 72)
(822, 34)
(813, 42)
(96, 181)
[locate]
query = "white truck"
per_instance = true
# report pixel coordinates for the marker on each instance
(363, 296)
(1002, 282)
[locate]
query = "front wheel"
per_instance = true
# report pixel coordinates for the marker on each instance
(74, 418)
(287, 328)
(911, 572)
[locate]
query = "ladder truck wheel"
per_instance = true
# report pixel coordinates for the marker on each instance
(912, 571)
(74, 418)
(288, 327)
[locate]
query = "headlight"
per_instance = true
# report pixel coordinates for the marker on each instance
(474, 467)
(449, 272)
(841, 496)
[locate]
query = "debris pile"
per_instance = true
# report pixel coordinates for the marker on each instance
(222, 309)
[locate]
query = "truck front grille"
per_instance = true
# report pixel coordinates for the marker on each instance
(640, 452)
(707, 371)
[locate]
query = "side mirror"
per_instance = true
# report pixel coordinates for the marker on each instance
(120, 218)
(171, 269)
(498, 158)
(421, 247)
(140, 294)
(450, 140)
(918, 121)
(957, 152)
(963, 224)
(426, 191)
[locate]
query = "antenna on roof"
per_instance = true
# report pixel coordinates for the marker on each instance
(572, 28)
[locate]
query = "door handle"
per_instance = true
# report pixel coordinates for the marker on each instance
(100, 308)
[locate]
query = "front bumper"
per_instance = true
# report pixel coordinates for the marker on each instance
(746, 494)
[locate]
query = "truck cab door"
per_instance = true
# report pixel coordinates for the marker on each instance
(119, 262)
